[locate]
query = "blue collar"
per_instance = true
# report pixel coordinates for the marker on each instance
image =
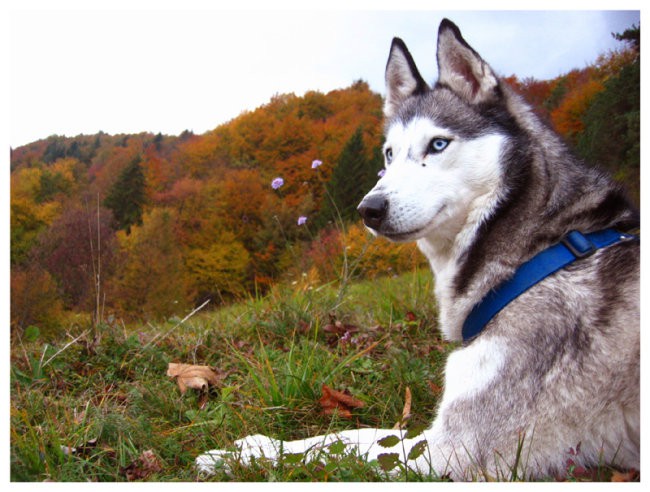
(573, 246)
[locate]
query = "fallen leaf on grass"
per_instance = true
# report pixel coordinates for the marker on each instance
(338, 401)
(435, 389)
(146, 464)
(195, 377)
(410, 317)
(626, 476)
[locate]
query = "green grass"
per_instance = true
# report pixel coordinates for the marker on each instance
(111, 399)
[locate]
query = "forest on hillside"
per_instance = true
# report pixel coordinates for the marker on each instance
(144, 226)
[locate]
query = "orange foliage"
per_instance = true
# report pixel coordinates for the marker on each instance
(243, 198)
(34, 299)
(157, 171)
(197, 156)
(108, 164)
(567, 117)
(212, 222)
(535, 92)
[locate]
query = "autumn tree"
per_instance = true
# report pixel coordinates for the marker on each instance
(60, 179)
(151, 280)
(158, 172)
(78, 251)
(315, 106)
(242, 198)
(35, 299)
(219, 271)
(111, 159)
(568, 116)
(29, 217)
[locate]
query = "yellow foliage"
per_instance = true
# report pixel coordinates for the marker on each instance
(611, 63)
(34, 299)
(220, 268)
(374, 256)
(152, 280)
(28, 219)
(26, 182)
(65, 167)
(25, 211)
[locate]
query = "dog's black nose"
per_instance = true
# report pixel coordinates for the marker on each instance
(373, 209)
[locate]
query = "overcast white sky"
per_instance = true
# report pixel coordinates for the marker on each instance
(181, 66)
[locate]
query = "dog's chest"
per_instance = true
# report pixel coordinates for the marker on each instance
(470, 370)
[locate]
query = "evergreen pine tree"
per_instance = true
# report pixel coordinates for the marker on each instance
(55, 150)
(612, 134)
(353, 176)
(127, 196)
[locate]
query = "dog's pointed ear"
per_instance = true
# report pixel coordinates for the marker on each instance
(462, 69)
(402, 77)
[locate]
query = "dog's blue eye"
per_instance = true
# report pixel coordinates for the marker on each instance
(389, 155)
(438, 145)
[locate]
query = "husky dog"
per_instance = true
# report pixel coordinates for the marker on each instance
(484, 186)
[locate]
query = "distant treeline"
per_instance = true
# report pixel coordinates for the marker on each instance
(148, 226)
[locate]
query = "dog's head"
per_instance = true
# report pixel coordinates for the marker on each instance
(443, 143)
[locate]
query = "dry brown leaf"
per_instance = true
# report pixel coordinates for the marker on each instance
(435, 389)
(338, 401)
(626, 476)
(146, 464)
(195, 377)
(406, 412)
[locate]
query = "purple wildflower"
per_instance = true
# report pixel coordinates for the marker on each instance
(316, 163)
(277, 183)
(302, 220)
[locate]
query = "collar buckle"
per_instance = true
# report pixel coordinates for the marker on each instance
(579, 245)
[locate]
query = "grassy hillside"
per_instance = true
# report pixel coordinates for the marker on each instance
(109, 397)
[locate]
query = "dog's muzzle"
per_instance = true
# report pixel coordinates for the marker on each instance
(373, 209)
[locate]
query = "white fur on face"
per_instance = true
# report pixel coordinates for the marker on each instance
(433, 192)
